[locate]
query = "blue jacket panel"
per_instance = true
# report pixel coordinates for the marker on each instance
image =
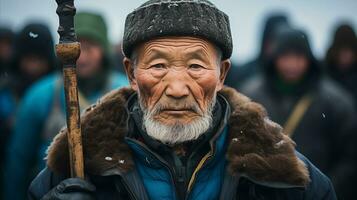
(158, 178)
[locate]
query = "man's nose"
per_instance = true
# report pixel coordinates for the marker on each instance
(177, 85)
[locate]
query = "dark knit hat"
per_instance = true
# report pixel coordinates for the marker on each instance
(34, 39)
(159, 18)
(291, 40)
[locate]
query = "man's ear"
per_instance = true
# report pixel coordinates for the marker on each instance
(129, 69)
(224, 68)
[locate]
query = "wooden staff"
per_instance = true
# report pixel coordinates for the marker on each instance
(68, 51)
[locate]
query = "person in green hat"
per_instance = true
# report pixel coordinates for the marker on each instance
(42, 112)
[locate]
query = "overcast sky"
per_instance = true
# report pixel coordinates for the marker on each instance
(317, 17)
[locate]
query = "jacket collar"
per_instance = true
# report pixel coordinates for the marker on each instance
(257, 148)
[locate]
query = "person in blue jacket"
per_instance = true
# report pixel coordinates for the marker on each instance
(177, 132)
(41, 113)
(26, 57)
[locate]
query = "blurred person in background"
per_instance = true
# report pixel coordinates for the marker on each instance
(316, 113)
(24, 58)
(240, 74)
(33, 58)
(341, 58)
(42, 111)
(6, 50)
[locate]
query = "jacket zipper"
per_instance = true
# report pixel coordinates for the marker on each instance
(195, 172)
(162, 162)
(201, 164)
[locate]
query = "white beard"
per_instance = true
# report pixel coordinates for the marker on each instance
(177, 133)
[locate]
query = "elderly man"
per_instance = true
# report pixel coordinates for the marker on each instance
(178, 133)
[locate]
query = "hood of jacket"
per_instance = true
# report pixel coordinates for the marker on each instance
(293, 40)
(257, 147)
(272, 25)
(34, 38)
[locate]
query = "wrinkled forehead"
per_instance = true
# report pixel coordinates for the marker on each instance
(179, 46)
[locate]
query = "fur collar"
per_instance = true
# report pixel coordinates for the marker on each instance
(257, 147)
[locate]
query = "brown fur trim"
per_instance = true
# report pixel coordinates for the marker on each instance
(257, 146)
(103, 130)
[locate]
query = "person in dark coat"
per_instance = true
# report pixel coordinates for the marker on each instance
(32, 57)
(241, 74)
(24, 58)
(177, 132)
(316, 113)
(341, 58)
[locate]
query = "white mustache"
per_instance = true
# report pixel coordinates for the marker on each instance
(159, 107)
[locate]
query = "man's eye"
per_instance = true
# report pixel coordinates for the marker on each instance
(158, 66)
(196, 66)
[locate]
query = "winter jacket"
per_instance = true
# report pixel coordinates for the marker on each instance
(30, 139)
(249, 158)
(326, 132)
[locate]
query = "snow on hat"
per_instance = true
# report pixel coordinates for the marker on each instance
(160, 18)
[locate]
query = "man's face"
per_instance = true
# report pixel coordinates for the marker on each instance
(177, 79)
(34, 66)
(292, 66)
(345, 59)
(90, 61)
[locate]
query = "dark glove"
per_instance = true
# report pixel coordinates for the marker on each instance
(70, 189)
